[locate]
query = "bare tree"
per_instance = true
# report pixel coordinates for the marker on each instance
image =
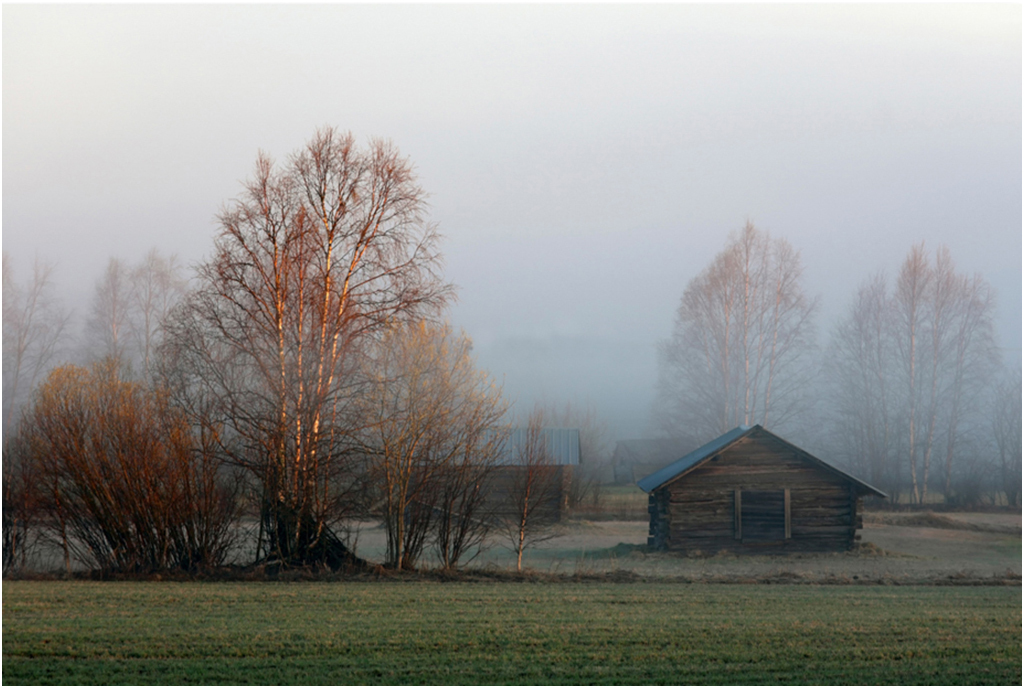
(743, 328)
(34, 324)
(909, 371)
(430, 420)
(106, 333)
(464, 521)
(156, 286)
(969, 358)
(312, 262)
(533, 491)
(909, 313)
(859, 367)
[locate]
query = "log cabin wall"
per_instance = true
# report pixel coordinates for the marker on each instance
(657, 507)
(552, 488)
(697, 513)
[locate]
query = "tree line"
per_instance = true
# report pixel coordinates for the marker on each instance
(908, 391)
(305, 378)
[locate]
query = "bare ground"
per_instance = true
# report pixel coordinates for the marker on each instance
(895, 547)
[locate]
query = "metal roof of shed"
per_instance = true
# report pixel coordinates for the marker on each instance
(659, 478)
(717, 445)
(562, 446)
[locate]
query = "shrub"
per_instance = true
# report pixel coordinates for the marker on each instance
(123, 481)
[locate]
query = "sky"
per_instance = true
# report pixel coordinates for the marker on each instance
(584, 162)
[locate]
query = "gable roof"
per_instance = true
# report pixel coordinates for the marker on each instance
(702, 454)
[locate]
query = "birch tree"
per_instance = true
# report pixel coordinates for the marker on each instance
(34, 325)
(533, 492)
(909, 304)
(910, 369)
(738, 348)
(312, 262)
(860, 368)
(106, 334)
(970, 360)
(156, 286)
(432, 438)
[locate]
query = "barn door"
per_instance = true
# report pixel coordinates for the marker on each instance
(763, 515)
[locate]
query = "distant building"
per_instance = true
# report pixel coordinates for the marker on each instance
(560, 457)
(561, 446)
(752, 491)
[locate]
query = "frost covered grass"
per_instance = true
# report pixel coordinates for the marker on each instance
(493, 633)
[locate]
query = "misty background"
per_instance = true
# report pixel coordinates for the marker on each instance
(583, 162)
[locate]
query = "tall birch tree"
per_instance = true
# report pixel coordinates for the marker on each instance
(312, 261)
(738, 348)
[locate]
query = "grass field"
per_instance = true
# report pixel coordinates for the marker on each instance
(487, 633)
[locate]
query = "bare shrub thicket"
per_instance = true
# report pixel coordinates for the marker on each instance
(739, 348)
(312, 262)
(121, 482)
(20, 508)
(431, 441)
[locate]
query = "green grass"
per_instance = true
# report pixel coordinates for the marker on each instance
(487, 633)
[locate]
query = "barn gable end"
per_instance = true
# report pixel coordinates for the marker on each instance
(751, 491)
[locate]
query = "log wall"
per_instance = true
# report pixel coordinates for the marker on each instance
(552, 489)
(697, 512)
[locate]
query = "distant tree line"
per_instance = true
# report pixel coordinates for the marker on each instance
(908, 392)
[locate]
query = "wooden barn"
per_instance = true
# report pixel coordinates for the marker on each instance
(559, 456)
(751, 491)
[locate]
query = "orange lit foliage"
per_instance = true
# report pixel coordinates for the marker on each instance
(123, 482)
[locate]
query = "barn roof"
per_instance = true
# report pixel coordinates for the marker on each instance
(561, 446)
(717, 445)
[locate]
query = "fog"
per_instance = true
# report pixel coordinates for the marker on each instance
(583, 162)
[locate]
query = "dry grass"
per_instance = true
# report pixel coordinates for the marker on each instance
(930, 519)
(940, 549)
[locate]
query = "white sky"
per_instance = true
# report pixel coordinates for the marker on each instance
(584, 162)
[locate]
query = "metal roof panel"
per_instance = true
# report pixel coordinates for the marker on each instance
(562, 446)
(659, 478)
